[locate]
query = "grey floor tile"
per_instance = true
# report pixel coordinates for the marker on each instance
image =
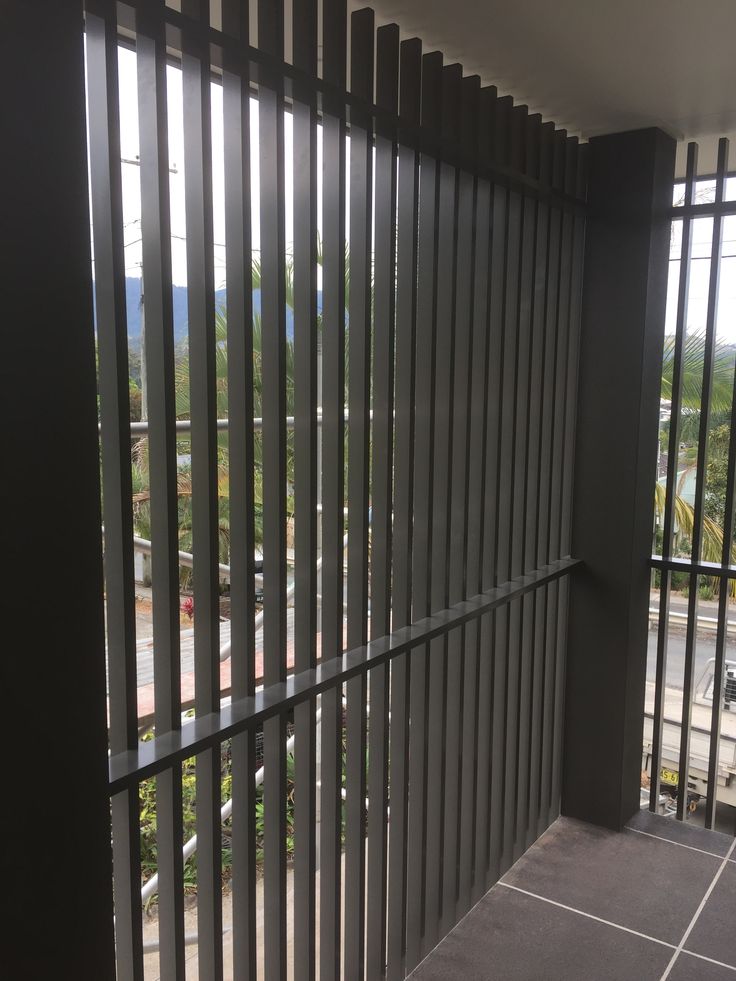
(626, 878)
(694, 969)
(714, 934)
(509, 936)
(681, 832)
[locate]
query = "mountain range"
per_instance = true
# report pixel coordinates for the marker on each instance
(181, 313)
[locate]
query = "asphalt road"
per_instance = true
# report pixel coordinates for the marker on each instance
(705, 648)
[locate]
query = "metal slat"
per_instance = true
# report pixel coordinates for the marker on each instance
(705, 407)
(406, 264)
(534, 486)
(568, 150)
(508, 621)
(384, 248)
(576, 289)
(673, 455)
(236, 132)
(205, 517)
(546, 474)
(305, 487)
(495, 647)
(334, 30)
(521, 482)
(443, 686)
(555, 600)
(159, 341)
(273, 347)
(359, 361)
(478, 518)
(422, 495)
(109, 257)
(567, 367)
(462, 644)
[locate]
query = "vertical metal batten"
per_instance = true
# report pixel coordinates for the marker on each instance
(406, 263)
(562, 480)
(546, 470)
(109, 257)
(537, 411)
(698, 506)
(495, 646)
(683, 290)
(306, 343)
(384, 266)
(554, 626)
(359, 361)
(159, 341)
(239, 309)
(443, 687)
(422, 492)
(461, 647)
(461, 528)
(273, 348)
(205, 512)
(450, 482)
(478, 518)
(508, 618)
(521, 481)
(334, 31)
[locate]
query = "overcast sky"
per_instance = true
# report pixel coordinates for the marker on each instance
(131, 177)
(702, 228)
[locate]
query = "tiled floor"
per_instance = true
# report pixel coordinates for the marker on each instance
(655, 902)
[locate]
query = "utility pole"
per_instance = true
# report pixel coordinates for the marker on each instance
(136, 162)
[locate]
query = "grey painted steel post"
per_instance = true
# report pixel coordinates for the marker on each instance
(623, 310)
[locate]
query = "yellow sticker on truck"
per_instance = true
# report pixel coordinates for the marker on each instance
(671, 777)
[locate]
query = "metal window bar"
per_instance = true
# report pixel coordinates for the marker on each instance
(673, 453)
(362, 44)
(238, 258)
(542, 165)
(477, 516)
(156, 254)
(304, 33)
(334, 34)
(407, 205)
(705, 407)
(443, 686)
(381, 476)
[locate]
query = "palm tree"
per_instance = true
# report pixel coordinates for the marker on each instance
(720, 415)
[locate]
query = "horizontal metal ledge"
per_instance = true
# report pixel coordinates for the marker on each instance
(169, 749)
(706, 210)
(694, 568)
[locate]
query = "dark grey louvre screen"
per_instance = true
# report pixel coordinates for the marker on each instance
(363, 426)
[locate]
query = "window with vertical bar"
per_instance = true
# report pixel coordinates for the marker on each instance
(689, 735)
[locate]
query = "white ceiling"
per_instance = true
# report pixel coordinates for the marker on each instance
(592, 66)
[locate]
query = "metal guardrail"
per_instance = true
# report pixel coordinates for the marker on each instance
(704, 623)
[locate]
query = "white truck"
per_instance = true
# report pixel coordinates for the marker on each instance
(700, 739)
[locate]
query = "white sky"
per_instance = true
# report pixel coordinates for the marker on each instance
(702, 232)
(129, 146)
